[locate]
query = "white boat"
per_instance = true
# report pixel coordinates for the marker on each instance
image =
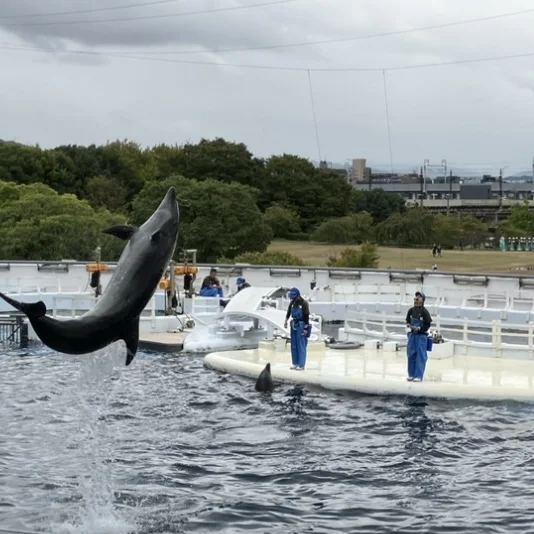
(252, 315)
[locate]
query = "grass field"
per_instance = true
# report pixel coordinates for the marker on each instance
(474, 261)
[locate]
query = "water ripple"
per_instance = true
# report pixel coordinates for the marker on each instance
(166, 446)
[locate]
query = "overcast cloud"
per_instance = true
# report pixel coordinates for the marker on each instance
(471, 113)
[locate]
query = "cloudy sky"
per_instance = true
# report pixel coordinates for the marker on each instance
(172, 71)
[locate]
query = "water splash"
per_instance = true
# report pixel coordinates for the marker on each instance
(92, 446)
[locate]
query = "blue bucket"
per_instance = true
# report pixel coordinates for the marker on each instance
(429, 343)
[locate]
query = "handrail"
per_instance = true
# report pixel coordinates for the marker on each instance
(463, 330)
(361, 295)
(415, 273)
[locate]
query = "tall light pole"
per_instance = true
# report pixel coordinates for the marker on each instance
(427, 166)
(500, 184)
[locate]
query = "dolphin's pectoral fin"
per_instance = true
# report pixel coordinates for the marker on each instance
(34, 309)
(131, 338)
(155, 236)
(122, 231)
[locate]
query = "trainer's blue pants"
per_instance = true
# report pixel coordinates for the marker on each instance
(417, 355)
(299, 344)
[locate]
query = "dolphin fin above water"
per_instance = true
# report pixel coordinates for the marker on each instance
(122, 231)
(264, 383)
(131, 338)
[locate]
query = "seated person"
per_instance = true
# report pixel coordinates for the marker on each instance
(241, 284)
(211, 287)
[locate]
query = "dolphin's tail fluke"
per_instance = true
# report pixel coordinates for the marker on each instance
(33, 309)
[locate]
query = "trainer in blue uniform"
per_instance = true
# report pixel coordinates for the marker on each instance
(241, 284)
(299, 311)
(418, 320)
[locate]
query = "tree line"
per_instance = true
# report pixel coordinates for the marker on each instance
(55, 202)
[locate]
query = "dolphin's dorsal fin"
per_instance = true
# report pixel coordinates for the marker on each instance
(122, 231)
(155, 235)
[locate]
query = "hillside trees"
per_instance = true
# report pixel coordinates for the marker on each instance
(231, 202)
(218, 219)
(36, 223)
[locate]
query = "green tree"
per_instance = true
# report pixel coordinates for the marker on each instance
(411, 229)
(446, 231)
(520, 222)
(282, 220)
(379, 203)
(36, 223)
(125, 165)
(216, 218)
(103, 191)
(30, 164)
(217, 159)
(352, 229)
(365, 258)
(316, 194)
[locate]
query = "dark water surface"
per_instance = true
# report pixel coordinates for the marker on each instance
(165, 446)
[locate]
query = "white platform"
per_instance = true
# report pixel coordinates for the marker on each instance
(383, 372)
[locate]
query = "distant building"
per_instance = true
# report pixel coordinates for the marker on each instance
(476, 192)
(358, 171)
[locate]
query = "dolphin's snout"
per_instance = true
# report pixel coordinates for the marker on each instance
(171, 194)
(170, 201)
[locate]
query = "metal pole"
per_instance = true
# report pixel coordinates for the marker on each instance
(172, 286)
(500, 188)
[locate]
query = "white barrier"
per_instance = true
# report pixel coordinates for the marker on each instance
(470, 338)
(72, 275)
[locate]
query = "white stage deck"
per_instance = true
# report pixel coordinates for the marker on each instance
(383, 372)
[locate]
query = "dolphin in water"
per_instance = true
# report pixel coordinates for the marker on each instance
(116, 315)
(264, 382)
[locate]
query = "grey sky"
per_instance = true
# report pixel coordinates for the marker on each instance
(471, 113)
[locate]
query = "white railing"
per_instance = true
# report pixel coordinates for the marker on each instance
(79, 304)
(205, 305)
(43, 284)
(470, 337)
(465, 291)
(60, 275)
(436, 296)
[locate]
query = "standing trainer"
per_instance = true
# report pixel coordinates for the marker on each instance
(299, 311)
(418, 320)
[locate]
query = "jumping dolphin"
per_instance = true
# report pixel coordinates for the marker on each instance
(116, 315)
(265, 380)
